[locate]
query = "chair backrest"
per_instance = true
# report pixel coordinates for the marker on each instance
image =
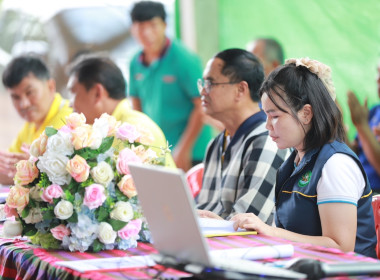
(194, 178)
(376, 214)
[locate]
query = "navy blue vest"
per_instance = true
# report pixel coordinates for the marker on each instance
(296, 197)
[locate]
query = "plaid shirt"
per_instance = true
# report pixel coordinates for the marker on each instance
(244, 182)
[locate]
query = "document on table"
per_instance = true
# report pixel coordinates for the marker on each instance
(255, 253)
(214, 227)
(108, 264)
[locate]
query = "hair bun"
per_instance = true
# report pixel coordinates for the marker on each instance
(321, 70)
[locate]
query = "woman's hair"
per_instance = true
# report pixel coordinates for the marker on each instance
(297, 86)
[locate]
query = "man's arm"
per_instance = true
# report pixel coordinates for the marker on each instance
(257, 179)
(182, 153)
(359, 117)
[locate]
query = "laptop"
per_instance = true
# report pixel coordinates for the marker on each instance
(170, 212)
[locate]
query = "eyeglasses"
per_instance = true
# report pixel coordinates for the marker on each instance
(207, 84)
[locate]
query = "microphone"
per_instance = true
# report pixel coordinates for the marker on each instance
(315, 269)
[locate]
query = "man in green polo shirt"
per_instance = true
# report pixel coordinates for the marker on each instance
(163, 84)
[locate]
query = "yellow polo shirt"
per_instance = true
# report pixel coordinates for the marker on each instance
(56, 117)
(124, 113)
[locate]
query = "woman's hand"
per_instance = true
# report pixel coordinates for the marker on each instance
(250, 221)
(208, 214)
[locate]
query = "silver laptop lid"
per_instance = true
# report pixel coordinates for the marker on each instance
(170, 212)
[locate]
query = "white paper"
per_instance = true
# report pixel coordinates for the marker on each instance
(256, 253)
(108, 263)
(214, 226)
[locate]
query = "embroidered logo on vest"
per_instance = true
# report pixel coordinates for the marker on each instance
(305, 179)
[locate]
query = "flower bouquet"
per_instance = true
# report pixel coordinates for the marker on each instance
(75, 192)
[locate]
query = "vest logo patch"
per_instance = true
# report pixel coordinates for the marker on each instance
(305, 179)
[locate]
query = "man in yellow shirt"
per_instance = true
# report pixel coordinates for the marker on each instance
(34, 96)
(99, 87)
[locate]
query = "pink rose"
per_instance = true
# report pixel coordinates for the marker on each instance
(9, 212)
(127, 186)
(127, 132)
(38, 147)
(75, 120)
(65, 129)
(52, 191)
(94, 196)
(18, 197)
(146, 136)
(78, 168)
(26, 172)
(84, 136)
(59, 232)
(130, 230)
(126, 156)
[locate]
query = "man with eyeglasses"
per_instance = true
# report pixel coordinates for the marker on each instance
(242, 161)
(162, 84)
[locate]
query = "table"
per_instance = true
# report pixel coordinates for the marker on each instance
(21, 260)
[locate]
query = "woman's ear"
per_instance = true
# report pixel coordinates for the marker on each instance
(307, 114)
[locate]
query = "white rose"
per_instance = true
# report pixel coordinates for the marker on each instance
(35, 193)
(123, 211)
(63, 210)
(12, 228)
(102, 173)
(106, 234)
(60, 143)
(3, 216)
(35, 216)
(101, 126)
(54, 165)
(97, 139)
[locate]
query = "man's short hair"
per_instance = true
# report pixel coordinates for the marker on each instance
(272, 50)
(147, 10)
(93, 68)
(21, 67)
(241, 65)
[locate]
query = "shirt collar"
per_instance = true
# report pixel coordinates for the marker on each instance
(163, 52)
(248, 125)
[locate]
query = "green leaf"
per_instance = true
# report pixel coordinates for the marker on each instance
(102, 214)
(106, 144)
(50, 131)
(44, 181)
(87, 183)
(28, 229)
(69, 196)
(86, 153)
(48, 215)
(116, 224)
(25, 212)
(30, 232)
(97, 245)
(120, 196)
(46, 240)
(73, 218)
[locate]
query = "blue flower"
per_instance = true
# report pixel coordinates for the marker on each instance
(127, 243)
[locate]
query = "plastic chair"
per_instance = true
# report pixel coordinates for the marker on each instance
(376, 214)
(194, 178)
